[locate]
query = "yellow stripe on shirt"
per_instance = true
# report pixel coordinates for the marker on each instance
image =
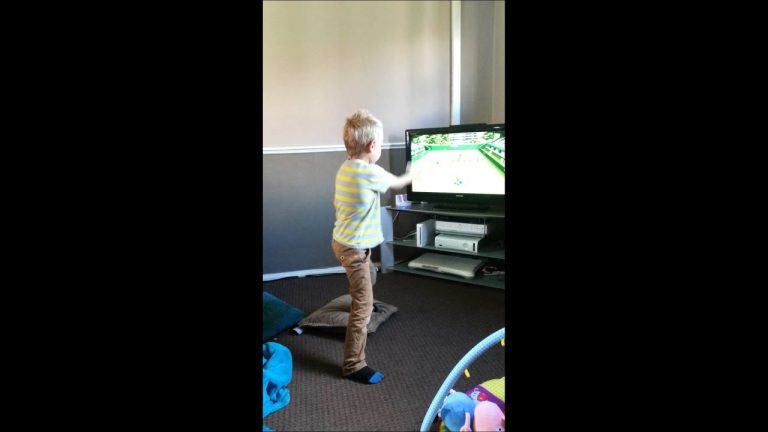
(347, 199)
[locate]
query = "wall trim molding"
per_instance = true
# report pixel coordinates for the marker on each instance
(310, 272)
(302, 273)
(322, 149)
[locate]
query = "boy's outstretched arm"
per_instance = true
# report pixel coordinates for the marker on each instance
(403, 180)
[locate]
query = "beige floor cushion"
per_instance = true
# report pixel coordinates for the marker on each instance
(334, 315)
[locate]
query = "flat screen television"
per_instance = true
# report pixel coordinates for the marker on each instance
(457, 167)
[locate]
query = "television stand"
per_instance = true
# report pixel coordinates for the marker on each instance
(493, 253)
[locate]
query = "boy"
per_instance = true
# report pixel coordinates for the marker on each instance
(358, 229)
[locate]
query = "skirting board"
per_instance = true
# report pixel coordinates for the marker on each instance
(310, 272)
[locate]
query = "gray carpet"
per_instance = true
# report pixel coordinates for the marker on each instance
(438, 322)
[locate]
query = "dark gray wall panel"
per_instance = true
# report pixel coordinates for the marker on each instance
(298, 211)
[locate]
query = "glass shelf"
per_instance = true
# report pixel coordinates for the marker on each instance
(496, 252)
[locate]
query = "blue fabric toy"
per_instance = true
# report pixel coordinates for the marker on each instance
(276, 374)
(458, 411)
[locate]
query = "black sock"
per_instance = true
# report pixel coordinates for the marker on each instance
(365, 375)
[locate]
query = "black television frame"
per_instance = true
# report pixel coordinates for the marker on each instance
(451, 200)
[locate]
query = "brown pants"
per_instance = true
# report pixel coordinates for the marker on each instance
(361, 274)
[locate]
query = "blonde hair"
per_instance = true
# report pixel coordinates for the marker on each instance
(359, 129)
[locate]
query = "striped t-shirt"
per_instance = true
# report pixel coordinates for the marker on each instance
(358, 219)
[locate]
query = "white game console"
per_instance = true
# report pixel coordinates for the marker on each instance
(425, 233)
(464, 267)
(458, 242)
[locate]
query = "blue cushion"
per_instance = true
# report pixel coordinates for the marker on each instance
(278, 315)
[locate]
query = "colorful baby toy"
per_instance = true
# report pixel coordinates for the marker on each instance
(480, 409)
(491, 390)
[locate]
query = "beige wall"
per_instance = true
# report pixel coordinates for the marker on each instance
(497, 97)
(482, 62)
(325, 59)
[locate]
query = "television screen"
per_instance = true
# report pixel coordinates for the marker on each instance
(457, 164)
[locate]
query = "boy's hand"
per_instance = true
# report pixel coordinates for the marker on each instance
(404, 179)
